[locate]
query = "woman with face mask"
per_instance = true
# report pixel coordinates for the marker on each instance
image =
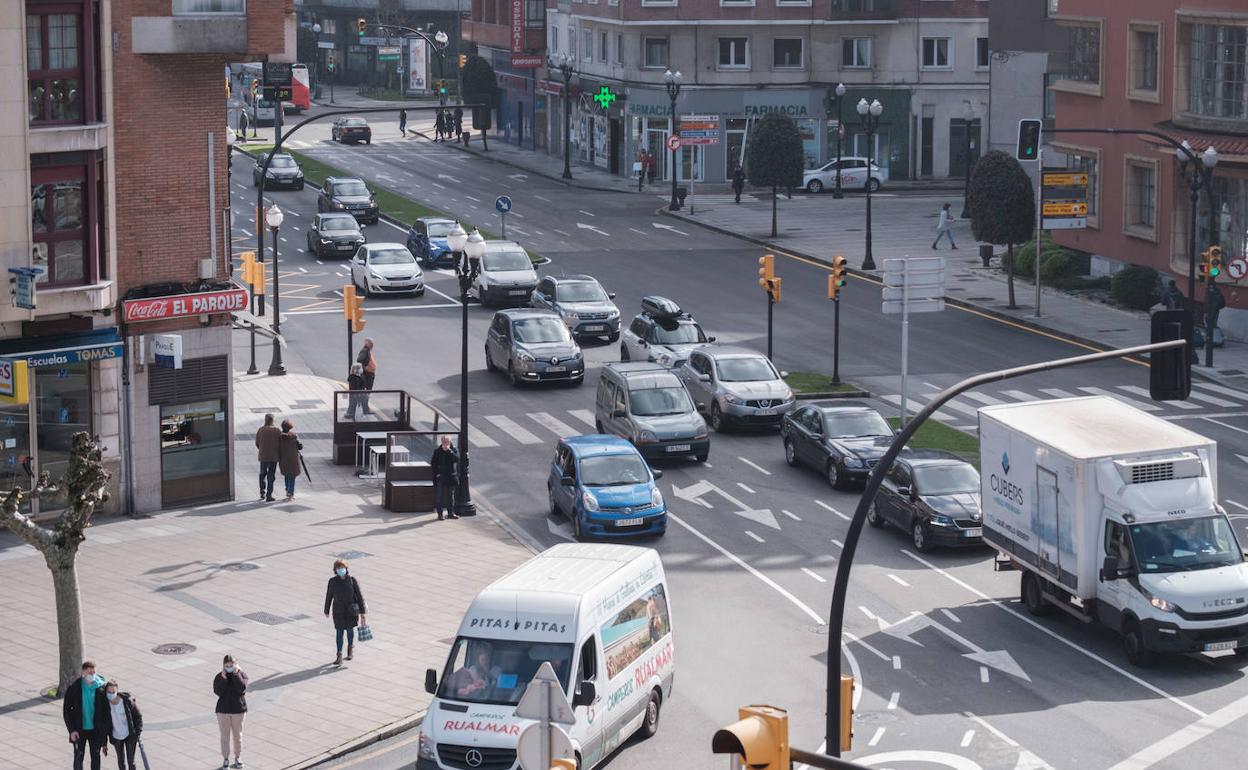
(230, 685)
(122, 723)
(343, 596)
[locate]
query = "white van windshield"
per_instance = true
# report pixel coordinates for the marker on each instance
(496, 671)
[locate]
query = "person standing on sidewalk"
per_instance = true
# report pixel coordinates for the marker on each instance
(944, 227)
(230, 685)
(652, 165)
(267, 439)
(445, 465)
(439, 127)
(1172, 296)
(641, 168)
(403, 122)
(82, 711)
(459, 123)
(123, 723)
(288, 448)
(738, 182)
(367, 359)
(343, 596)
(355, 381)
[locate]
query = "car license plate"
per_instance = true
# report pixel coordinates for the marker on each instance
(516, 292)
(973, 532)
(1215, 646)
(628, 522)
(595, 328)
(678, 448)
(766, 412)
(556, 369)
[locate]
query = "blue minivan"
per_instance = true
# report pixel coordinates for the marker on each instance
(605, 487)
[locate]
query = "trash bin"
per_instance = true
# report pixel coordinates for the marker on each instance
(681, 194)
(985, 253)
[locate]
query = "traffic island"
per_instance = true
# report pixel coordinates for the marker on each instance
(936, 435)
(811, 385)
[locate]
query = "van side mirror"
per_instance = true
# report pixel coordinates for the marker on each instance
(1109, 568)
(704, 377)
(711, 338)
(585, 695)
(567, 481)
(431, 681)
(610, 295)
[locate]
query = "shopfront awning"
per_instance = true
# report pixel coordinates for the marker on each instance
(59, 350)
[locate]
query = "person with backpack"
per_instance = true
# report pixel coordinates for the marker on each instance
(343, 597)
(122, 723)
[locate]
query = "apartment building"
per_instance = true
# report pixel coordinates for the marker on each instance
(1026, 54)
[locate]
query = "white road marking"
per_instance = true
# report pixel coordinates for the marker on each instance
(747, 489)
(540, 198)
(983, 674)
(553, 424)
(338, 292)
(1225, 425)
(1057, 393)
(515, 214)
(443, 295)
(1054, 635)
(474, 200)
(792, 516)
(584, 415)
(870, 615)
(1018, 395)
(303, 270)
(896, 662)
(319, 262)
(565, 235)
(1128, 401)
(478, 439)
(377, 309)
(967, 737)
(837, 543)
(1138, 391)
(1181, 739)
(1237, 505)
(513, 429)
(639, 232)
(979, 721)
(896, 401)
(892, 700)
(950, 615)
(439, 186)
(898, 580)
(865, 646)
(756, 537)
(879, 733)
(1222, 402)
(586, 213)
(824, 505)
(814, 575)
(755, 466)
(981, 398)
(1239, 394)
(930, 385)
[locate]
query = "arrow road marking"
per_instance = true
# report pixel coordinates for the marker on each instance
(584, 226)
(916, 621)
(696, 490)
(662, 226)
(449, 178)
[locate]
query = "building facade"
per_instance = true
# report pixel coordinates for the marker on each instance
(1180, 68)
(1027, 52)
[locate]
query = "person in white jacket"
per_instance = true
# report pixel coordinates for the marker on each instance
(944, 227)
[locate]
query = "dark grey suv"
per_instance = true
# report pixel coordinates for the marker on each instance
(582, 303)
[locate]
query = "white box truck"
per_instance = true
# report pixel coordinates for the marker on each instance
(1111, 514)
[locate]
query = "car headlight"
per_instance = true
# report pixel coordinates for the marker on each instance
(734, 399)
(646, 437)
(526, 357)
(270, 173)
(701, 433)
(664, 358)
(569, 315)
(852, 462)
(656, 498)
(326, 241)
(374, 275)
(427, 747)
(788, 397)
(372, 202)
(941, 520)
(336, 204)
(588, 501)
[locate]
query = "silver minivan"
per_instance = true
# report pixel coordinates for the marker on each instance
(647, 404)
(736, 386)
(507, 276)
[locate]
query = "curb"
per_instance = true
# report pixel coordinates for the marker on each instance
(365, 740)
(832, 394)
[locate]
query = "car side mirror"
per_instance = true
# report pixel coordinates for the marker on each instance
(619, 414)
(658, 473)
(585, 695)
(568, 481)
(1109, 568)
(431, 681)
(784, 374)
(610, 295)
(905, 491)
(711, 338)
(643, 343)
(704, 377)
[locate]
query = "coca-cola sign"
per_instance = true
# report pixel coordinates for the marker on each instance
(181, 305)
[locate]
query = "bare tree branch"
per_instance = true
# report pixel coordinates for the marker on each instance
(21, 524)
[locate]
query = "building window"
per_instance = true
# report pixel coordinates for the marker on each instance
(1083, 53)
(936, 52)
(619, 49)
(64, 202)
(587, 44)
(645, 3)
(734, 53)
(1141, 198)
(787, 53)
(194, 7)
(655, 50)
(534, 14)
(63, 408)
(1231, 197)
(54, 69)
(981, 53)
(1219, 71)
(572, 43)
(856, 52)
(736, 2)
(194, 449)
(1143, 63)
(552, 41)
(602, 47)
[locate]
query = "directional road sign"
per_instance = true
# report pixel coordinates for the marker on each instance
(1237, 269)
(673, 143)
(699, 129)
(503, 204)
(1064, 199)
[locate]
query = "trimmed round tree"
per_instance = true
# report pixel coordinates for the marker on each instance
(1003, 206)
(774, 157)
(480, 86)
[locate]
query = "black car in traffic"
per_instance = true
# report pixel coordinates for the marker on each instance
(841, 439)
(349, 195)
(334, 235)
(283, 171)
(350, 129)
(934, 497)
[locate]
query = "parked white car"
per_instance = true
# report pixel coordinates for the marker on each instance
(853, 175)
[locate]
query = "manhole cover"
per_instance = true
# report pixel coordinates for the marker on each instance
(173, 648)
(267, 618)
(226, 631)
(349, 555)
(239, 566)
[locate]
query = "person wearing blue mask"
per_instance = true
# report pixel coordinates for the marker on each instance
(343, 596)
(84, 702)
(230, 686)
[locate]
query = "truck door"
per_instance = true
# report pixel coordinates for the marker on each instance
(1046, 509)
(589, 718)
(1114, 593)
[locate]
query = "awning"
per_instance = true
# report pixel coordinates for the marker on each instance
(62, 349)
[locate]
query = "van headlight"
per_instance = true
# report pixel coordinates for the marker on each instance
(656, 498)
(588, 501)
(646, 437)
(427, 747)
(1162, 604)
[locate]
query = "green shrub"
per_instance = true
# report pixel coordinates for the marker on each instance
(1136, 287)
(1057, 264)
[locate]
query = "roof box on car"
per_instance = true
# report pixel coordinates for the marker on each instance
(659, 307)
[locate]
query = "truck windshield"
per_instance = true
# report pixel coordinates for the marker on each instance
(1185, 544)
(496, 671)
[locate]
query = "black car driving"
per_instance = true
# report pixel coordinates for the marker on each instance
(334, 235)
(350, 195)
(841, 439)
(283, 172)
(351, 129)
(934, 497)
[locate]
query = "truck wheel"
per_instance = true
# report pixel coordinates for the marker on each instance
(650, 725)
(1133, 645)
(1033, 596)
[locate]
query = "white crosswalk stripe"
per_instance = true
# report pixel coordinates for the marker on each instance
(1057, 393)
(915, 402)
(982, 398)
(1137, 390)
(1128, 401)
(553, 424)
(478, 439)
(1241, 395)
(1020, 395)
(513, 429)
(1196, 395)
(585, 416)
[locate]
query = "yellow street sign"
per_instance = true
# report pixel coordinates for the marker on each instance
(1065, 209)
(1066, 180)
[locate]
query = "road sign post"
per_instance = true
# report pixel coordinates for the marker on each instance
(503, 204)
(544, 700)
(912, 286)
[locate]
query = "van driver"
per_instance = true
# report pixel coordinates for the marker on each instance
(476, 679)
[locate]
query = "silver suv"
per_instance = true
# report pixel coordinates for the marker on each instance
(736, 386)
(663, 333)
(582, 303)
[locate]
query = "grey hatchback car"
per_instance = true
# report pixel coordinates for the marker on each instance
(736, 386)
(533, 346)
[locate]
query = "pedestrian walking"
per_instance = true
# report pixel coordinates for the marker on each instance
(355, 382)
(944, 227)
(344, 598)
(439, 126)
(1172, 296)
(403, 122)
(367, 358)
(267, 439)
(288, 448)
(652, 165)
(123, 723)
(230, 686)
(83, 710)
(459, 123)
(639, 166)
(445, 465)
(738, 182)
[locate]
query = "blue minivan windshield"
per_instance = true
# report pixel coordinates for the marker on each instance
(614, 470)
(496, 671)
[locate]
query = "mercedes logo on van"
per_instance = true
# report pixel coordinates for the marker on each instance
(474, 758)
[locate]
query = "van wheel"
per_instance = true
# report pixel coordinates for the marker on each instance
(1033, 596)
(624, 352)
(1133, 645)
(650, 725)
(790, 453)
(873, 516)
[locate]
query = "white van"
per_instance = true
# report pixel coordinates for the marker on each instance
(598, 613)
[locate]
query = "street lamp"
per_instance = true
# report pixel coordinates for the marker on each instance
(966, 184)
(273, 218)
(840, 132)
(870, 114)
(316, 30)
(672, 81)
(468, 249)
(1201, 177)
(563, 63)
(439, 47)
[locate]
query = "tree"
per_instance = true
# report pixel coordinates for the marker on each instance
(774, 157)
(1003, 206)
(86, 488)
(480, 87)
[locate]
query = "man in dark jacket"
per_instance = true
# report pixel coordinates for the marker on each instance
(83, 710)
(122, 724)
(445, 464)
(738, 182)
(267, 441)
(459, 123)
(367, 359)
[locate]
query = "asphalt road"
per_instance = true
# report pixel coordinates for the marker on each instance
(953, 673)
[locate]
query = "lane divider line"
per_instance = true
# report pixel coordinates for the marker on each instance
(756, 537)
(755, 466)
(825, 506)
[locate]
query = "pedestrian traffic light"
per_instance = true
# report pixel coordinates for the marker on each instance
(353, 309)
(847, 712)
(1202, 266)
(760, 738)
(1170, 371)
(1028, 139)
(1215, 262)
(442, 87)
(837, 279)
(362, 24)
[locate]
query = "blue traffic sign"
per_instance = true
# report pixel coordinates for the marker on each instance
(503, 204)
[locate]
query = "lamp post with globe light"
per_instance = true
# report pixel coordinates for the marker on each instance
(468, 250)
(966, 183)
(672, 81)
(870, 114)
(840, 134)
(273, 218)
(563, 63)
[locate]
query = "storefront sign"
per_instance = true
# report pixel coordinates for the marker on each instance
(792, 110)
(24, 286)
(654, 110)
(526, 62)
(168, 350)
(389, 53)
(550, 87)
(517, 26)
(605, 97)
(14, 381)
(63, 350)
(182, 305)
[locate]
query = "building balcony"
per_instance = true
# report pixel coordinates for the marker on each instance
(864, 9)
(499, 36)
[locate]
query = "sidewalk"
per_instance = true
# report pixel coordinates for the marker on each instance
(248, 578)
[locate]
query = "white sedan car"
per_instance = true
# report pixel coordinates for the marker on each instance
(386, 268)
(853, 176)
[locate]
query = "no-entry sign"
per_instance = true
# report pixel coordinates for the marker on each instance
(673, 143)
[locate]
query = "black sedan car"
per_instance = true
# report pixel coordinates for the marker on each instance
(932, 495)
(351, 129)
(283, 172)
(841, 439)
(349, 195)
(334, 235)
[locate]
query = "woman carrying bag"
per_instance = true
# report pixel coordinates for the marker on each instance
(343, 596)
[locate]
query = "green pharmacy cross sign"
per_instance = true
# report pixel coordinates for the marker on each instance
(604, 97)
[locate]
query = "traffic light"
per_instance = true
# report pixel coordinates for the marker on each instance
(1202, 266)
(1028, 139)
(1215, 262)
(248, 260)
(252, 272)
(760, 738)
(463, 60)
(442, 87)
(847, 712)
(353, 309)
(362, 24)
(329, 62)
(1170, 371)
(837, 279)
(563, 764)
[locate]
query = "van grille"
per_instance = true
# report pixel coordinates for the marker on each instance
(1144, 473)
(491, 759)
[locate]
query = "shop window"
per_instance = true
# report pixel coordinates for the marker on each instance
(15, 463)
(194, 452)
(65, 193)
(62, 408)
(655, 52)
(734, 53)
(856, 52)
(787, 53)
(936, 52)
(54, 66)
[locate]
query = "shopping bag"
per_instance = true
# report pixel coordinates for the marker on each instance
(365, 633)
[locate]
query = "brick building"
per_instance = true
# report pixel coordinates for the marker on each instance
(121, 145)
(1175, 66)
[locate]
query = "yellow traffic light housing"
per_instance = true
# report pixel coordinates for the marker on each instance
(252, 272)
(837, 278)
(766, 269)
(362, 24)
(760, 738)
(563, 764)
(1215, 262)
(248, 260)
(847, 712)
(353, 309)
(1202, 265)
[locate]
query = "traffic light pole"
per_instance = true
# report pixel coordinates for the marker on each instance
(836, 615)
(836, 341)
(771, 302)
(251, 288)
(350, 344)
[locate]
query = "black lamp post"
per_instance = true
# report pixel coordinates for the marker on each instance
(563, 63)
(672, 81)
(273, 218)
(1201, 177)
(966, 183)
(316, 30)
(468, 249)
(870, 114)
(840, 132)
